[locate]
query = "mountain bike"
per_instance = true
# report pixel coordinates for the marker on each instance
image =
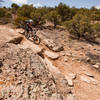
(31, 35)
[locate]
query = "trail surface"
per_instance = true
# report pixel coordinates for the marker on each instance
(75, 63)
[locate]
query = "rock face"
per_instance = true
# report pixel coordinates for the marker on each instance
(52, 45)
(51, 55)
(24, 76)
(16, 40)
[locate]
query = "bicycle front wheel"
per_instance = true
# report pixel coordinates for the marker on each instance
(36, 40)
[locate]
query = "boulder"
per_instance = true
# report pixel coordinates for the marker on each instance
(51, 55)
(89, 74)
(72, 75)
(52, 45)
(65, 60)
(97, 66)
(97, 40)
(70, 81)
(88, 59)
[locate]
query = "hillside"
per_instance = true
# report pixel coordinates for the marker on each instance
(60, 68)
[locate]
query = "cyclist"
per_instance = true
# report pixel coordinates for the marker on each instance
(28, 26)
(30, 32)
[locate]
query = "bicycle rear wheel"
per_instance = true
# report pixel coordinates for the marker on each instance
(27, 35)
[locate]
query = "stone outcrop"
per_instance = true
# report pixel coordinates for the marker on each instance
(52, 45)
(51, 55)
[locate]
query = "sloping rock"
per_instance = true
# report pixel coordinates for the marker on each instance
(51, 55)
(61, 82)
(25, 76)
(52, 45)
(27, 44)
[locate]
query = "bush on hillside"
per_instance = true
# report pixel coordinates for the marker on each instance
(96, 28)
(37, 17)
(2, 12)
(79, 25)
(8, 15)
(64, 11)
(5, 15)
(14, 8)
(19, 21)
(25, 10)
(53, 17)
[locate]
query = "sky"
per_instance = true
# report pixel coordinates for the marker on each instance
(53, 3)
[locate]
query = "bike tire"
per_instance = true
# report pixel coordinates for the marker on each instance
(27, 35)
(36, 40)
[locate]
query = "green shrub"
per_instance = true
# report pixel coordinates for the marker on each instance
(37, 17)
(25, 10)
(19, 21)
(8, 15)
(53, 16)
(96, 28)
(79, 26)
(64, 11)
(2, 12)
(14, 8)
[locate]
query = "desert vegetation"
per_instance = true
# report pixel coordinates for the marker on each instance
(80, 22)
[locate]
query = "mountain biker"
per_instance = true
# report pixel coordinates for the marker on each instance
(29, 24)
(30, 32)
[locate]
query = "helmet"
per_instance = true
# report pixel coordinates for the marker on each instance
(30, 21)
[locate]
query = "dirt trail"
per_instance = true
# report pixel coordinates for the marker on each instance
(87, 81)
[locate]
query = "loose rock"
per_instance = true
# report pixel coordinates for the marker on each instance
(66, 60)
(89, 74)
(70, 81)
(85, 79)
(72, 76)
(96, 66)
